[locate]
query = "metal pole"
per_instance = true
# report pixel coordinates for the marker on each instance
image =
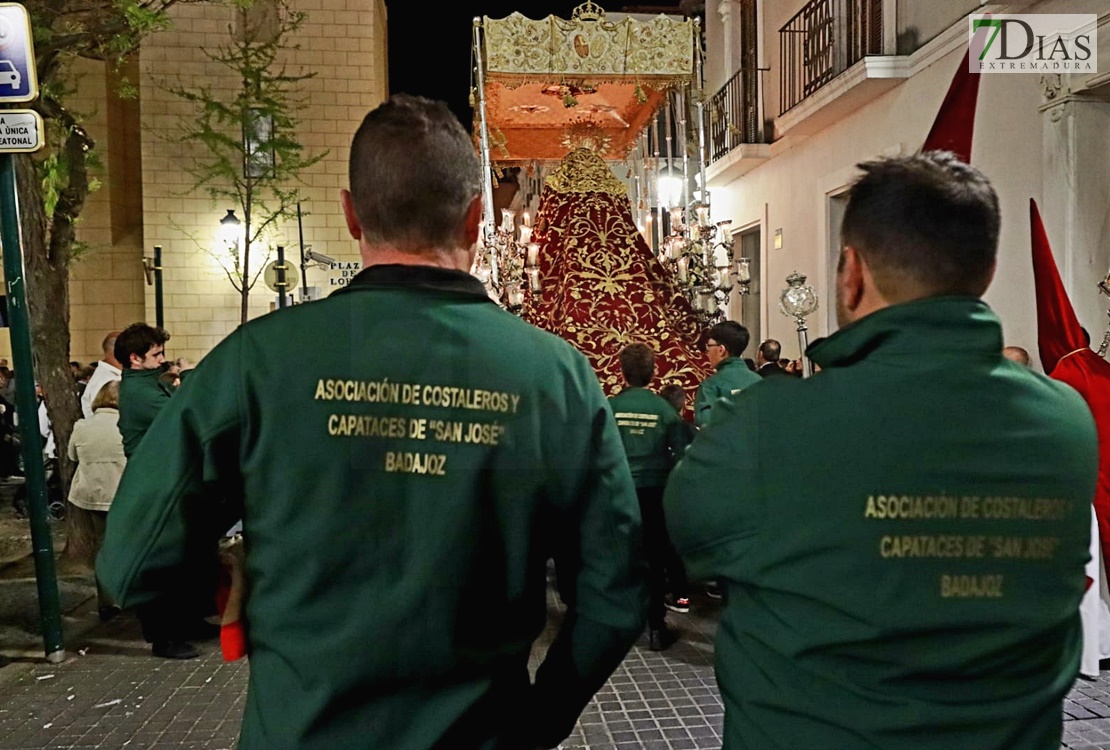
(483, 140)
(300, 239)
(27, 411)
(803, 344)
(159, 318)
(700, 97)
(281, 283)
(681, 98)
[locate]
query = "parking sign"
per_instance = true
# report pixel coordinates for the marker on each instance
(18, 82)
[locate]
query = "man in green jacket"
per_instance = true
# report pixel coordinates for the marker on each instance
(403, 490)
(141, 352)
(724, 347)
(176, 616)
(654, 436)
(904, 561)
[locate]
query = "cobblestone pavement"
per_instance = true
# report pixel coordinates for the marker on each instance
(112, 694)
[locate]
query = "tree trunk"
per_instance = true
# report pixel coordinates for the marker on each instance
(45, 262)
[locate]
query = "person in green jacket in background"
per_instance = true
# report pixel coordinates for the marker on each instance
(141, 352)
(175, 617)
(901, 537)
(724, 348)
(654, 436)
(404, 488)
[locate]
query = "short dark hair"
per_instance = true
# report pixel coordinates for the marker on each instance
(637, 364)
(770, 350)
(926, 224)
(733, 336)
(675, 394)
(413, 174)
(138, 339)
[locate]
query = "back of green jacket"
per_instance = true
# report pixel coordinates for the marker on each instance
(732, 376)
(653, 434)
(141, 396)
(902, 539)
(408, 456)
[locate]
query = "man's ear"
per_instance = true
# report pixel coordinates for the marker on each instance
(850, 278)
(472, 222)
(353, 225)
(135, 360)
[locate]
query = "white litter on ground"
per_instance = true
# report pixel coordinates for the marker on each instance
(45, 677)
(109, 703)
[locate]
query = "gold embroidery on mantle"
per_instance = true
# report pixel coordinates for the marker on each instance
(583, 171)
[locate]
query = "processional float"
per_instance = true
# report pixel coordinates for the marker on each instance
(603, 263)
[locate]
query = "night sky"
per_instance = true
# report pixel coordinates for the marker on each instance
(429, 46)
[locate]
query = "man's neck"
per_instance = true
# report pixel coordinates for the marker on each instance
(456, 260)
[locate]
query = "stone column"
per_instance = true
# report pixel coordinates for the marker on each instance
(1076, 195)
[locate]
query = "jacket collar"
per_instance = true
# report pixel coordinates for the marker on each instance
(421, 277)
(730, 362)
(940, 327)
(131, 373)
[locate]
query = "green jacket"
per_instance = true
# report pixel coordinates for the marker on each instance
(141, 397)
(732, 376)
(901, 538)
(653, 434)
(402, 487)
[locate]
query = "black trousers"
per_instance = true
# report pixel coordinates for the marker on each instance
(665, 568)
(186, 599)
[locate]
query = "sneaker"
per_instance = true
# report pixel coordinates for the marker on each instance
(174, 650)
(661, 639)
(713, 590)
(680, 604)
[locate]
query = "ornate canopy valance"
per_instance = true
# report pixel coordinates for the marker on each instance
(555, 85)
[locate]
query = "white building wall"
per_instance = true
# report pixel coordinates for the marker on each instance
(1023, 153)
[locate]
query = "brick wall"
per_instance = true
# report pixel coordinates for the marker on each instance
(344, 43)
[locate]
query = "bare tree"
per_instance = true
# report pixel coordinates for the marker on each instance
(247, 150)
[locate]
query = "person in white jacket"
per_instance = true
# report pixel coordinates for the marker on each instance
(97, 447)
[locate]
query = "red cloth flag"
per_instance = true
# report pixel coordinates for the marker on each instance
(1058, 329)
(955, 123)
(1066, 356)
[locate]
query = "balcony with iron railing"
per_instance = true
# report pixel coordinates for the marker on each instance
(835, 56)
(737, 136)
(825, 38)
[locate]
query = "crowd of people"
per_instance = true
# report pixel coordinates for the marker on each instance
(898, 541)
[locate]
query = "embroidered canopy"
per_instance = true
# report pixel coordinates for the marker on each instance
(554, 85)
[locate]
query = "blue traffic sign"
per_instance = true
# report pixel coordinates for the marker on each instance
(18, 82)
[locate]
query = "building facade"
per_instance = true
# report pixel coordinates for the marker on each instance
(145, 198)
(802, 90)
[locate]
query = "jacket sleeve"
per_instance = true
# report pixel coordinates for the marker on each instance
(678, 438)
(713, 501)
(598, 558)
(166, 511)
(703, 401)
